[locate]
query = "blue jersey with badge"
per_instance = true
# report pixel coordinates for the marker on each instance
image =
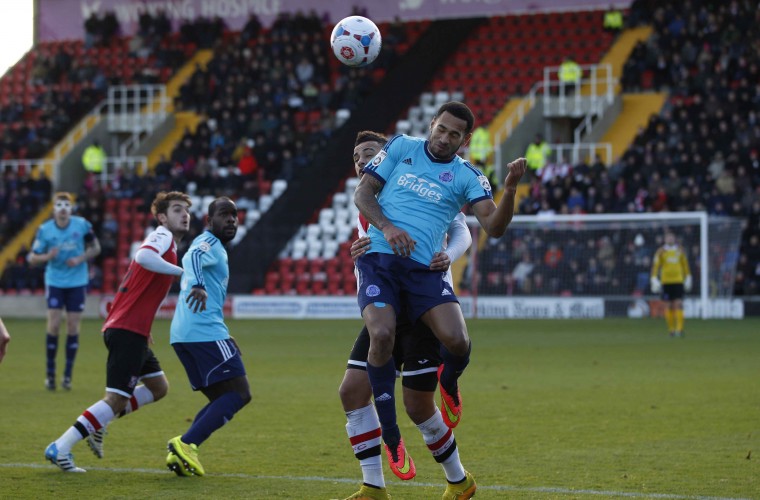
(422, 194)
(71, 241)
(205, 264)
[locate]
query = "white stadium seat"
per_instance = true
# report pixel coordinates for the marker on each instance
(403, 127)
(341, 116)
(340, 200)
(313, 232)
(326, 216)
(278, 187)
(265, 201)
(299, 249)
(343, 217)
(329, 231)
(351, 183)
(331, 249)
(251, 217)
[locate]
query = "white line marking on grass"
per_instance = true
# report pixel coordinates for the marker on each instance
(492, 487)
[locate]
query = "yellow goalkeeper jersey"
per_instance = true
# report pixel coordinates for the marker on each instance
(670, 265)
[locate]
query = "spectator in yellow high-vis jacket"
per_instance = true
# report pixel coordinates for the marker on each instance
(537, 155)
(671, 276)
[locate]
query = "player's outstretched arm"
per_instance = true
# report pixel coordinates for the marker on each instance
(495, 218)
(365, 199)
(150, 260)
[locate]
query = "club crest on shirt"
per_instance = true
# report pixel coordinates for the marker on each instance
(372, 291)
(446, 176)
(204, 247)
(484, 182)
(379, 157)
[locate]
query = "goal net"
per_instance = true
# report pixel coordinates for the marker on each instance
(598, 265)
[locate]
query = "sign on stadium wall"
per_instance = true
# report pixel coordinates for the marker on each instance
(294, 307)
(165, 310)
(256, 306)
(64, 19)
(692, 308)
(533, 308)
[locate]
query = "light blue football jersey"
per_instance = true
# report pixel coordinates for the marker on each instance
(205, 264)
(422, 194)
(71, 242)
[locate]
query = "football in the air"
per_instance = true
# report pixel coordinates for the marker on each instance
(356, 41)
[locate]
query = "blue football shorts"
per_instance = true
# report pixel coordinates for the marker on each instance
(386, 278)
(72, 299)
(207, 363)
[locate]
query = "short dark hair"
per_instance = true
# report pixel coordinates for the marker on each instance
(163, 199)
(369, 135)
(461, 111)
(215, 203)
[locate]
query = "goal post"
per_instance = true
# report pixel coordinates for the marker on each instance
(555, 259)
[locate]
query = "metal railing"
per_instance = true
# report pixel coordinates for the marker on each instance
(591, 94)
(115, 165)
(38, 164)
(581, 152)
(112, 167)
(595, 93)
(137, 110)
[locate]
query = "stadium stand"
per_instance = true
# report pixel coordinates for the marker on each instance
(267, 110)
(699, 153)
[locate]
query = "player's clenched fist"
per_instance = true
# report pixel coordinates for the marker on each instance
(515, 171)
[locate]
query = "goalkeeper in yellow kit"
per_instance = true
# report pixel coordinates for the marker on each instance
(671, 276)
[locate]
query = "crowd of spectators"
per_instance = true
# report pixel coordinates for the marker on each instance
(270, 99)
(23, 191)
(249, 95)
(700, 153)
(66, 80)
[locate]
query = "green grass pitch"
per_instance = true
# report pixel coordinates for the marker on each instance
(552, 409)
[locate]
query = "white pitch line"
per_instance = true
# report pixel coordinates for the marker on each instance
(492, 487)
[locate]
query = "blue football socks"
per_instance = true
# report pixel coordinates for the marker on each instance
(51, 345)
(383, 381)
(213, 416)
(453, 367)
(72, 345)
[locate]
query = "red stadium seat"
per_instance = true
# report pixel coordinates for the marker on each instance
(286, 264)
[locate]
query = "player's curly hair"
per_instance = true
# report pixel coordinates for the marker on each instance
(163, 199)
(461, 111)
(369, 135)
